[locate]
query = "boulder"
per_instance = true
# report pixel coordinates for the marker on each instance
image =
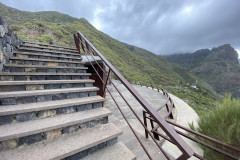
(4, 24)
(2, 31)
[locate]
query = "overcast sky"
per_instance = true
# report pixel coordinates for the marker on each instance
(161, 26)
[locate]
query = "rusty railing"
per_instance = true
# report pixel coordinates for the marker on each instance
(86, 48)
(157, 134)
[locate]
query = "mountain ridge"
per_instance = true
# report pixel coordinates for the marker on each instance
(220, 68)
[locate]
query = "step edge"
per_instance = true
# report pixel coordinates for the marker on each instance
(33, 82)
(119, 148)
(87, 117)
(41, 66)
(45, 92)
(44, 55)
(42, 74)
(6, 110)
(32, 49)
(51, 47)
(44, 60)
(117, 132)
(46, 44)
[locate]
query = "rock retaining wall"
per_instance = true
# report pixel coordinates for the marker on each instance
(8, 42)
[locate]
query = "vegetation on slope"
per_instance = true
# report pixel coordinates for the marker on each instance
(134, 63)
(222, 123)
(200, 99)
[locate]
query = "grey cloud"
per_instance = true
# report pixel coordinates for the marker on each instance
(161, 26)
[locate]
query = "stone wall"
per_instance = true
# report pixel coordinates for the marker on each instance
(8, 42)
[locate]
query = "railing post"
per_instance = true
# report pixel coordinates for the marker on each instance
(105, 85)
(81, 41)
(76, 42)
(171, 115)
(145, 123)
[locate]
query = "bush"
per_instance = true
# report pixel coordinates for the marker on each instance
(40, 23)
(28, 25)
(57, 33)
(45, 38)
(223, 124)
(16, 27)
(22, 36)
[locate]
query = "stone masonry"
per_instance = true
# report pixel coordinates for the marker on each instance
(8, 42)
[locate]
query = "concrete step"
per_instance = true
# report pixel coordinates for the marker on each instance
(117, 151)
(44, 60)
(73, 146)
(23, 76)
(49, 105)
(7, 86)
(49, 47)
(46, 56)
(32, 96)
(43, 129)
(3, 83)
(45, 92)
(43, 68)
(44, 50)
(40, 66)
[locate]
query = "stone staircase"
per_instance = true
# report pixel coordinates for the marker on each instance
(49, 108)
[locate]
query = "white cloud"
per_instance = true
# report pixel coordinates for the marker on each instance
(96, 22)
(161, 26)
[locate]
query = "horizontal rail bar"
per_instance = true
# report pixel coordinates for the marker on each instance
(205, 137)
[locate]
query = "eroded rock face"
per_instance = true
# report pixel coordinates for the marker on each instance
(8, 42)
(221, 70)
(226, 52)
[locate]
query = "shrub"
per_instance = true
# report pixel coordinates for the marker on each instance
(22, 36)
(16, 27)
(57, 33)
(28, 25)
(223, 124)
(45, 38)
(40, 23)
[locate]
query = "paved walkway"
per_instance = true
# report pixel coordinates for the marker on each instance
(156, 99)
(184, 115)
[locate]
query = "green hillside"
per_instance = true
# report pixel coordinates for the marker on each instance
(136, 64)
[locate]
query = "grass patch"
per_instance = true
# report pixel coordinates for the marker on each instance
(45, 39)
(16, 27)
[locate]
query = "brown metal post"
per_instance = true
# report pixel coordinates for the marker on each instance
(154, 134)
(145, 123)
(171, 115)
(77, 43)
(104, 88)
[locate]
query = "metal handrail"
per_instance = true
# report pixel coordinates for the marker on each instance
(207, 138)
(169, 99)
(186, 150)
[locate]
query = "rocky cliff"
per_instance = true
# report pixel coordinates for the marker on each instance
(225, 52)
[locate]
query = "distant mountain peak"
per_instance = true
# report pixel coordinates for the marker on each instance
(225, 52)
